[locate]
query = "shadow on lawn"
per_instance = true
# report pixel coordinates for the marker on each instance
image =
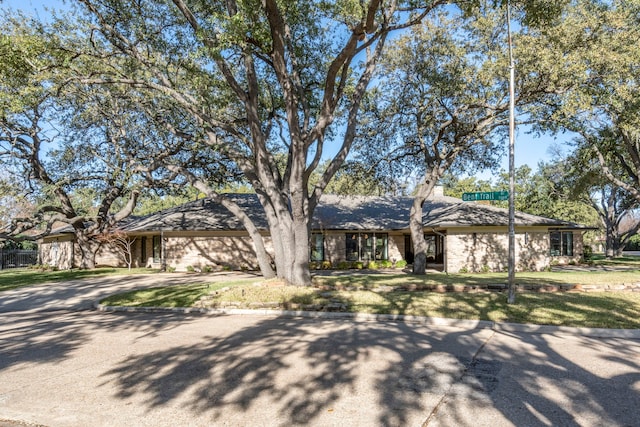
(601, 309)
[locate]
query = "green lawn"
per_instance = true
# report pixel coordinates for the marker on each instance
(396, 293)
(629, 260)
(392, 294)
(15, 278)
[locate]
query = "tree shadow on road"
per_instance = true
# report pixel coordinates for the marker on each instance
(51, 336)
(538, 379)
(284, 371)
(315, 372)
(304, 371)
(29, 338)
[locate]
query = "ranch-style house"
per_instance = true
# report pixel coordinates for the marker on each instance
(462, 236)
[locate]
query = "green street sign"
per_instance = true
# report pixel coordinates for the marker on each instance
(486, 195)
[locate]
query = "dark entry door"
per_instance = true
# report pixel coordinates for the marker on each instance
(408, 249)
(435, 251)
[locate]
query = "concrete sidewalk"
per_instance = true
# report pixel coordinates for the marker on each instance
(74, 367)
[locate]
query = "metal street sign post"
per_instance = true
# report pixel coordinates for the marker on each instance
(511, 298)
(485, 195)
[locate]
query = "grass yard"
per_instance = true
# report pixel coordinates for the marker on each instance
(15, 278)
(628, 260)
(391, 293)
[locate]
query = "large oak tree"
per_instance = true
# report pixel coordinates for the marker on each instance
(444, 98)
(257, 79)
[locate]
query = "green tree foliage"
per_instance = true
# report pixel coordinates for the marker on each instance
(551, 195)
(356, 178)
(547, 192)
(455, 186)
(443, 101)
(596, 43)
(82, 152)
(615, 207)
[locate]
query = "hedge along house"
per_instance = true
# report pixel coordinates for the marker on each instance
(462, 236)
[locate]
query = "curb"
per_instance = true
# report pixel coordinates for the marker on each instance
(567, 330)
(432, 321)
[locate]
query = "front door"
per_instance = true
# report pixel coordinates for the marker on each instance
(408, 249)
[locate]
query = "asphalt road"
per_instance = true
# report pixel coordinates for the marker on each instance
(64, 364)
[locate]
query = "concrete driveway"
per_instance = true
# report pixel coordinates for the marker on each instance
(62, 364)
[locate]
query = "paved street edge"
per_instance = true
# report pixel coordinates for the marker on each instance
(431, 321)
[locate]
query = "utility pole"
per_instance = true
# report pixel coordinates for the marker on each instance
(512, 186)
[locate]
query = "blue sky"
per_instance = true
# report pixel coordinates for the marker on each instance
(38, 6)
(529, 149)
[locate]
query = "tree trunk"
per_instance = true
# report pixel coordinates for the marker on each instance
(417, 229)
(300, 274)
(417, 237)
(616, 244)
(262, 256)
(290, 238)
(609, 236)
(609, 244)
(88, 248)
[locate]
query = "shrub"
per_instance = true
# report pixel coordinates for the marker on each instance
(385, 264)
(344, 265)
(372, 265)
(401, 263)
(463, 270)
(358, 265)
(313, 265)
(171, 269)
(207, 269)
(326, 265)
(587, 253)
(190, 269)
(485, 269)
